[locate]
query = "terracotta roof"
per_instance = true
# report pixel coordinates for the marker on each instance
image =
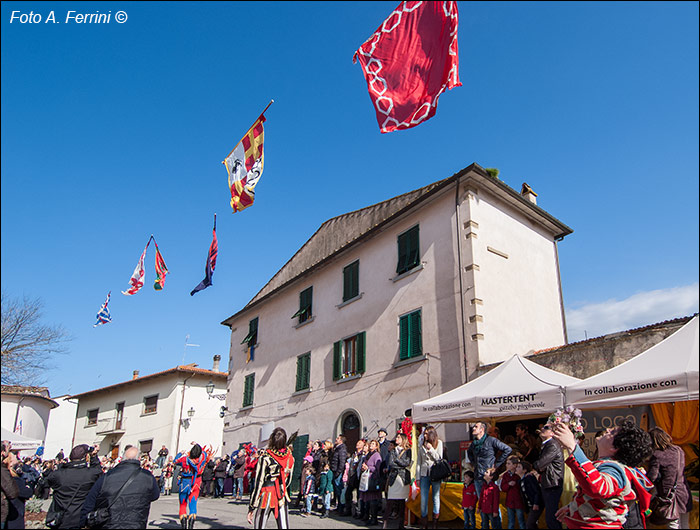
(341, 232)
(188, 369)
(40, 392)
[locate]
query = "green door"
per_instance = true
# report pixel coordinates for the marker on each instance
(298, 451)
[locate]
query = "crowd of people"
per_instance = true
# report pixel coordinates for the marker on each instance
(615, 490)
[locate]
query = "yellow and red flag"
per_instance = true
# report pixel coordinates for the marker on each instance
(245, 165)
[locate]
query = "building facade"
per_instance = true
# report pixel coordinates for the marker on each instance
(172, 408)
(26, 410)
(394, 303)
(59, 433)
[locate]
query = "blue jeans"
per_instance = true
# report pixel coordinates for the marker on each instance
(425, 485)
(479, 485)
(309, 502)
(238, 487)
(218, 487)
(514, 513)
(338, 489)
(469, 518)
(493, 518)
(327, 501)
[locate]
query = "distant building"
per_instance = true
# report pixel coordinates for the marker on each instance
(171, 408)
(59, 433)
(25, 411)
(392, 304)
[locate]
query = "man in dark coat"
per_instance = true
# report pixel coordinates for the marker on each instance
(550, 466)
(483, 453)
(219, 476)
(71, 484)
(340, 456)
(129, 507)
(207, 479)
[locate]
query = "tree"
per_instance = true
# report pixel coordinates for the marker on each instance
(26, 343)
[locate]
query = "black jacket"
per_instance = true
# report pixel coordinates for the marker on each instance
(485, 457)
(208, 472)
(220, 469)
(73, 478)
(532, 493)
(550, 465)
(130, 509)
(15, 518)
(337, 463)
(399, 463)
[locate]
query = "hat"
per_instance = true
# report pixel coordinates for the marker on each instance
(382, 429)
(79, 452)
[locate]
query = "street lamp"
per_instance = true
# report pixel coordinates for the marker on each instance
(210, 391)
(190, 413)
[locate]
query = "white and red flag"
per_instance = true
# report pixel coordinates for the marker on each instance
(139, 276)
(410, 60)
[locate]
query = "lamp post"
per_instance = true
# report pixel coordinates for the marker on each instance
(210, 391)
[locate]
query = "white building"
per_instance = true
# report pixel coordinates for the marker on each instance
(171, 408)
(395, 303)
(59, 433)
(25, 411)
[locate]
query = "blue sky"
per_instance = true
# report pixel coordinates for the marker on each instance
(113, 132)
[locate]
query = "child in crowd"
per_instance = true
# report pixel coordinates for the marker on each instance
(469, 498)
(325, 486)
(510, 485)
(489, 501)
(531, 491)
(308, 488)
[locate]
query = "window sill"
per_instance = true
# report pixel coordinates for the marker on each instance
(247, 407)
(149, 413)
(412, 360)
(350, 300)
(348, 378)
(407, 273)
(307, 321)
(91, 425)
(302, 392)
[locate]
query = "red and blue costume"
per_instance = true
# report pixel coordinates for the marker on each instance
(191, 479)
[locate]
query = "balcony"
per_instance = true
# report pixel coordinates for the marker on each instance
(111, 425)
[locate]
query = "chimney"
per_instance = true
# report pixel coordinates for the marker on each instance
(136, 374)
(528, 194)
(217, 359)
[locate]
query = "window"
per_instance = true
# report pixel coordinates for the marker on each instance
(248, 390)
(146, 446)
(351, 281)
(92, 416)
(252, 337)
(305, 300)
(150, 404)
(349, 357)
(410, 339)
(303, 371)
(409, 250)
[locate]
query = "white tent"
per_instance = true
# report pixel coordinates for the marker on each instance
(664, 373)
(517, 387)
(18, 441)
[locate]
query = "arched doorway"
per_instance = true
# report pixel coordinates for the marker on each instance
(350, 425)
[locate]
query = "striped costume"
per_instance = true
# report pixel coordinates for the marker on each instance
(605, 488)
(273, 475)
(191, 473)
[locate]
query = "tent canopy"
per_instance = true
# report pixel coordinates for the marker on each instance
(517, 387)
(666, 372)
(18, 441)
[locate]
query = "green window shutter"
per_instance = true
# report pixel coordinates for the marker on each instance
(300, 366)
(305, 302)
(307, 370)
(403, 254)
(303, 371)
(360, 353)
(337, 361)
(248, 390)
(252, 336)
(404, 334)
(413, 248)
(351, 283)
(416, 339)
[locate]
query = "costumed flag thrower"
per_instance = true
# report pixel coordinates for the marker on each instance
(245, 165)
(410, 60)
(139, 276)
(103, 316)
(211, 263)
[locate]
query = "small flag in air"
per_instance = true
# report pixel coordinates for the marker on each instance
(139, 276)
(211, 263)
(409, 61)
(103, 316)
(245, 165)
(161, 269)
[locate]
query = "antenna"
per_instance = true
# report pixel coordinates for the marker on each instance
(184, 348)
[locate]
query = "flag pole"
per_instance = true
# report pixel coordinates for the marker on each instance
(261, 114)
(214, 221)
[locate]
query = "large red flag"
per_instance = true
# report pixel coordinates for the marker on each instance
(409, 61)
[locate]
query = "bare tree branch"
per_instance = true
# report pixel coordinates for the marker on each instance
(26, 344)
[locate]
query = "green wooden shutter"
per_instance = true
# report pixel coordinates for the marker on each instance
(403, 254)
(303, 371)
(253, 331)
(404, 337)
(416, 336)
(248, 390)
(307, 370)
(337, 351)
(300, 365)
(360, 352)
(351, 281)
(413, 248)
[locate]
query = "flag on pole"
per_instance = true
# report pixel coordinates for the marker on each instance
(211, 263)
(245, 165)
(410, 60)
(161, 269)
(103, 316)
(18, 428)
(139, 276)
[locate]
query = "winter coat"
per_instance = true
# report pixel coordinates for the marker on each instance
(239, 466)
(325, 483)
(77, 478)
(490, 496)
(208, 472)
(665, 468)
(337, 463)
(15, 518)
(483, 456)
(131, 507)
(550, 465)
(469, 496)
(513, 497)
(9, 491)
(531, 491)
(220, 469)
(399, 463)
